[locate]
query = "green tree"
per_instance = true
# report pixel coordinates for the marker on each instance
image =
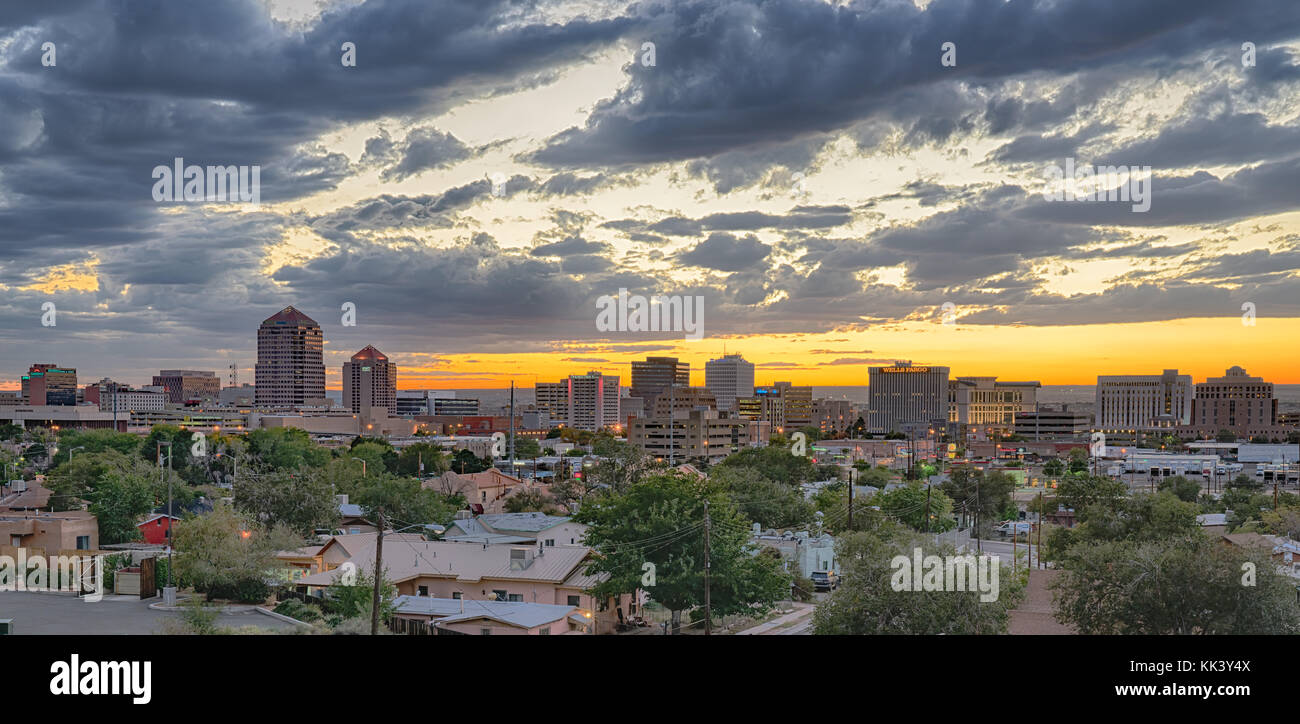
(229, 556)
(866, 603)
(99, 440)
(1182, 585)
(1081, 491)
(776, 462)
(404, 501)
(409, 460)
(669, 509)
(118, 500)
(980, 495)
(762, 500)
(1226, 436)
(1054, 468)
(1078, 460)
(75, 481)
(1188, 490)
(379, 458)
(466, 462)
(285, 448)
(912, 503)
(301, 501)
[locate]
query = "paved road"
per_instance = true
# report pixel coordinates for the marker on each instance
(47, 613)
(1003, 550)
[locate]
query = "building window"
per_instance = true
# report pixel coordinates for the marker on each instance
(455, 595)
(550, 542)
(83, 542)
(422, 591)
(498, 595)
(515, 598)
(485, 632)
(544, 631)
(574, 601)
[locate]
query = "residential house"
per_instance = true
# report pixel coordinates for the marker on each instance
(49, 533)
(461, 616)
(481, 572)
(485, 492)
(516, 528)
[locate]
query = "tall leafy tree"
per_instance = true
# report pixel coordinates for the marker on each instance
(285, 448)
(303, 501)
(866, 603)
(118, 501)
(661, 522)
(1179, 585)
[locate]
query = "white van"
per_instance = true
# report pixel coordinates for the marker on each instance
(1017, 528)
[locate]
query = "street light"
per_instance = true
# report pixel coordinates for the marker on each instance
(79, 447)
(363, 466)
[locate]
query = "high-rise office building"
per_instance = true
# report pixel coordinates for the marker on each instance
(1237, 402)
(593, 401)
(1143, 402)
(903, 394)
(782, 404)
(48, 384)
(189, 385)
(653, 375)
(585, 402)
(680, 401)
(553, 398)
(729, 378)
(370, 380)
(290, 360)
(991, 406)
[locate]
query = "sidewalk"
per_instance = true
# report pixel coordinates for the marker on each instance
(801, 610)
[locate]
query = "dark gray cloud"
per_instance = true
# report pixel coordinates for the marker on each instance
(726, 252)
(736, 73)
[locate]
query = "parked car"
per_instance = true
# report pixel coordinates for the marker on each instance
(825, 581)
(1018, 528)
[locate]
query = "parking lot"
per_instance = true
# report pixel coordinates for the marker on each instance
(56, 614)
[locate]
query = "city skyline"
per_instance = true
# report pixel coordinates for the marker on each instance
(474, 213)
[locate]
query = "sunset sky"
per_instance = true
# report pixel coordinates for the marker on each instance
(488, 169)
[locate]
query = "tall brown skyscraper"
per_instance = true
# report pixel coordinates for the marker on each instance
(370, 380)
(290, 361)
(653, 375)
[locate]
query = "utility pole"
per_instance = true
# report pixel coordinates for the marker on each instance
(927, 506)
(512, 427)
(979, 542)
(708, 606)
(379, 575)
(1040, 529)
(1274, 494)
(852, 472)
(170, 518)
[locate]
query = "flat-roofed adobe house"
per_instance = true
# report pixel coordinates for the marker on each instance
(485, 491)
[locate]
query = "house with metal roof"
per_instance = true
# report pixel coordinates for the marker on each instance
(461, 616)
(528, 573)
